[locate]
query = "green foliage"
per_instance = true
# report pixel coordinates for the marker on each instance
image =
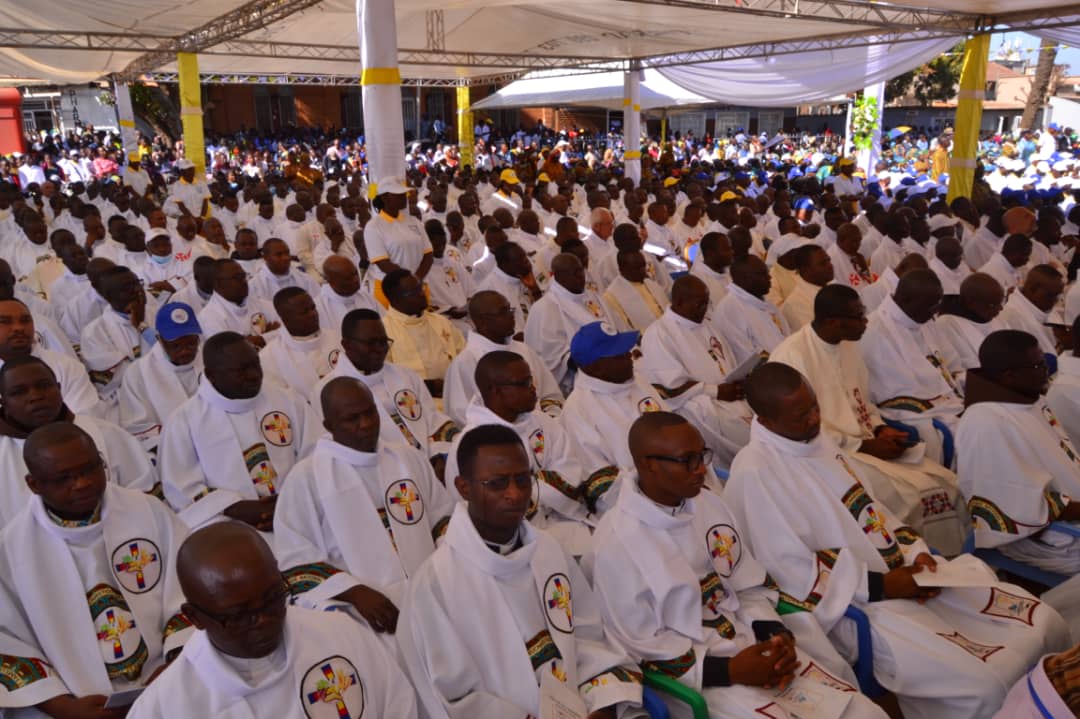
(864, 121)
(934, 81)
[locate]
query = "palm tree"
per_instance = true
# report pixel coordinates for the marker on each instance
(1040, 87)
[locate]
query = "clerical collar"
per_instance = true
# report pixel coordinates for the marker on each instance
(59, 521)
(513, 545)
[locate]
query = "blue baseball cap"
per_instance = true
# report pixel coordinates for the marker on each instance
(175, 320)
(598, 340)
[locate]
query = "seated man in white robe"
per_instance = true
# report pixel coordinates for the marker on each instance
(712, 265)
(359, 515)
(635, 299)
(84, 307)
(341, 294)
(606, 400)
(627, 237)
(815, 270)
(948, 265)
(849, 264)
(74, 279)
(163, 273)
(449, 283)
(968, 321)
(118, 337)
(165, 378)
(512, 277)
(750, 322)
(508, 396)
(410, 412)
(226, 450)
(1064, 394)
(917, 490)
(810, 518)
(197, 293)
(232, 309)
(30, 398)
(1018, 468)
(493, 329)
(687, 359)
(17, 333)
(1029, 307)
(907, 358)
(500, 620)
(678, 588)
(985, 241)
(96, 608)
(278, 272)
(302, 352)
(1007, 266)
(256, 656)
(896, 245)
(422, 341)
(561, 312)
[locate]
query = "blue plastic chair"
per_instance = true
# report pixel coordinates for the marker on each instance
(864, 665)
(654, 705)
(948, 445)
(912, 433)
(722, 474)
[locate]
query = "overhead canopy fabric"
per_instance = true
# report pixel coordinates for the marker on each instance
(795, 79)
(597, 89)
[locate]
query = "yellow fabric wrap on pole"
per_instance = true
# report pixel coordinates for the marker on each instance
(466, 141)
(191, 113)
(969, 109)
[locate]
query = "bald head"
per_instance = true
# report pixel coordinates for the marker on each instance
(340, 393)
(491, 369)
(43, 442)
(336, 264)
(214, 560)
(646, 433)
(914, 261)
(769, 386)
(982, 296)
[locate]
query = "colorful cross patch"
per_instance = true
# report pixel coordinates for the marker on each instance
(403, 502)
(408, 406)
(725, 548)
(332, 690)
(558, 604)
(137, 565)
(277, 429)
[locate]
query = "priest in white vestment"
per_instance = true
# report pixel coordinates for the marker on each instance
(686, 358)
(1064, 394)
(342, 293)
(985, 241)
(448, 282)
(508, 397)
(500, 620)
(30, 398)
(948, 265)
(812, 520)
(409, 413)
(1030, 307)
(678, 588)
(227, 449)
(815, 270)
(199, 291)
(712, 266)
(302, 352)
(278, 272)
(606, 400)
(511, 276)
(158, 383)
(1007, 265)
(968, 321)
(493, 329)
(919, 491)
(96, 606)
(849, 264)
(423, 341)
(232, 309)
(751, 324)
(1018, 468)
(358, 516)
(275, 660)
(635, 299)
(554, 320)
(908, 360)
(1048, 690)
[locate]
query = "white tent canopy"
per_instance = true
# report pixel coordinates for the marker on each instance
(595, 89)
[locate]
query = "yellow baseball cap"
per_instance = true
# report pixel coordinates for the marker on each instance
(729, 195)
(542, 178)
(669, 181)
(509, 176)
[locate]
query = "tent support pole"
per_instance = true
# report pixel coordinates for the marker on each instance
(381, 82)
(969, 109)
(125, 118)
(191, 113)
(632, 123)
(868, 159)
(466, 141)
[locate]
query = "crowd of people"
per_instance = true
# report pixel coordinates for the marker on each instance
(534, 430)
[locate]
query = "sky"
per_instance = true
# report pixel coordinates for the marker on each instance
(1066, 55)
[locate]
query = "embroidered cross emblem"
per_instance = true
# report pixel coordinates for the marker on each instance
(875, 523)
(405, 497)
(135, 562)
(278, 425)
(112, 629)
(560, 599)
(722, 546)
(331, 690)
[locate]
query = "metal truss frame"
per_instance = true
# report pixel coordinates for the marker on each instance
(230, 78)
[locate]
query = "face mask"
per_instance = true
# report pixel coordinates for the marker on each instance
(161, 260)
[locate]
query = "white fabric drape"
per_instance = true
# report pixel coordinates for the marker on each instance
(1066, 35)
(786, 80)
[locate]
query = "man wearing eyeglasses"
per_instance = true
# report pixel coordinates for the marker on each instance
(231, 309)
(507, 396)
(424, 341)
(226, 450)
(909, 360)
(94, 608)
(358, 517)
(916, 490)
(407, 409)
(680, 590)
(500, 621)
(256, 656)
(817, 526)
